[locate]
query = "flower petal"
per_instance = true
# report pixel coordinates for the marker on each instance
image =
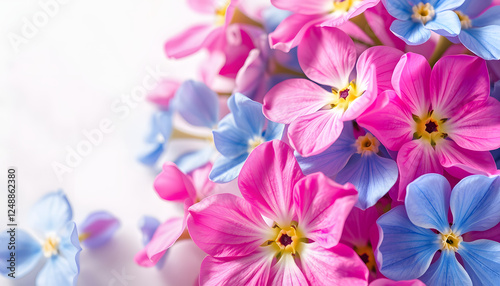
(204, 187)
(164, 237)
(388, 282)
(413, 33)
(293, 98)
(487, 18)
(475, 9)
(99, 227)
(481, 260)
(372, 175)
(197, 104)
(405, 250)
(399, 9)
(193, 160)
(227, 169)
(247, 114)
(225, 225)
(230, 140)
(427, 202)
(475, 204)
(307, 7)
(446, 271)
(173, 185)
(322, 208)
(268, 184)
(27, 253)
(327, 56)
(286, 272)
(191, 40)
(339, 265)
(314, 133)
(482, 41)
(445, 23)
(50, 213)
(367, 98)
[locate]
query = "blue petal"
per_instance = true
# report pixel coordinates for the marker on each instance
(51, 213)
(273, 131)
(272, 17)
(372, 176)
(399, 9)
(496, 91)
(247, 114)
(161, 124)
(445, 23)
(63, 269)
(197, 104)
(490, 17)
(151, 157)
(446, 272)
(475, 204)
(475, 9)
(230, 140)
(428, 201)
(443, 5)
(483, 41)
(412, 33)
(193, 160)
(496, 156)
(482, 261)
(225, 169)
(406, 250)
(28, 252)
(148, 226)
(333, 159)
(100, 227)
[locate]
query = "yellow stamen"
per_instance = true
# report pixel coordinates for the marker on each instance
(367, 144)
(430, 127)
(366, 254)
(254, 142)
(50, 246)
(464, 20)
(450, 241)
(83, 236)
(220, 13)
(345, 96)
(285, 240)
(343, 5)
(423, 12)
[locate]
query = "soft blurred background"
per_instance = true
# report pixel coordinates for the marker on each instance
(59, 77)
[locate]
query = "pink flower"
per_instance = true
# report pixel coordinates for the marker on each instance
(173, 185)
(316, 116)
(299, 243)
(309, 13)
(439, 120)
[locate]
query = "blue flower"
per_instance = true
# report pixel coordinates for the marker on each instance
(238, 134)
(480, 31)
(361, 161)
(416, 19)
(50, 219)
(412, 234)
(98, 228)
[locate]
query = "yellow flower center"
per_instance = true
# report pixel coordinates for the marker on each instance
(285, 240)
(423, 12)
(367, 144)
(430, 127)
(220, 12)
(343, 5)
(366, 254)
(450, 241)
(50, 246)
(464, 20)
(254, 142)
(345, 96)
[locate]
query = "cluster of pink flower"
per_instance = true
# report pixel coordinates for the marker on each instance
(361, 158)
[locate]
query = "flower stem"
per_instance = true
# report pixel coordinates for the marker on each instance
(441, 47)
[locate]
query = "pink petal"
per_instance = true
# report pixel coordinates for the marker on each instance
(339, 265)
(362, 103)
(476, 126)
(286, 272)
(248, 270)
(293, 98)
(173, 185)
(388, 282)
(203, 6)
(290, 31)
(411, 82)
(314, 133)
(203, 186)
(323, 207)
(267, 180)
(456, 81)
(307, 7)
(415, 159)
(164, 92)
(385, 60)
(389, 120)
(461, 162)
(225, 225)
(327, 56)
(339, 18)
(191, 40)
(358, 224)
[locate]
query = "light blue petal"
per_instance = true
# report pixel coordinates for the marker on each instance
(229, 139)
(482, 261)
(151, 157)
(490, 17)
(483, 41)
(446, 272)
(443, 5)
(406, 250)
(495, 92)
(372, 176)
(475, 204)
(162, 121)
(399, 9)
(247, 114)
(273, 16)
(445, 23)
(197, 104)
(27, 249)
(427, 202)
(50, 213)
(148, 226)
(413, 33)
(225, 169)
(273, 131)
(193, 160)
(475, 9)
(99, 226)
(333, 159)
(63, 269)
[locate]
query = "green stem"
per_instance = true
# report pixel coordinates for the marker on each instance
(441, 47)
(362, 23)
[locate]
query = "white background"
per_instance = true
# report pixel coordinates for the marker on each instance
(63, 81)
